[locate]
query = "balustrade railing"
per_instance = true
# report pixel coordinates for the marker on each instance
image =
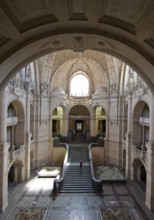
(140, 153)
(16, 153)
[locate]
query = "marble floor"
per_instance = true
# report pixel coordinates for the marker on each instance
(37, 192)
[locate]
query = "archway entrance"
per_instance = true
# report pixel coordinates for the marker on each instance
(57, 122)
(141, 125)
(15, 124)
(15, 173)
(11, 176)
(100, 121)
(79, 123)
(140, 173)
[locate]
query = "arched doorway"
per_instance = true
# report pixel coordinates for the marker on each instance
(15, 124)
(141, 125)
(140, 173)
(79, 123)
(100, 121)
(15, 173)
(57, 121)
(11, 176)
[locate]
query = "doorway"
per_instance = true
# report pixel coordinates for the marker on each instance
(79, 126)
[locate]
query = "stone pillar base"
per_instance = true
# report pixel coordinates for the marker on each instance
(3, 205)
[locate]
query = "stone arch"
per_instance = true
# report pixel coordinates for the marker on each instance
(15, 171)
(70, 64)
(79, 121)
(140, 173)
(34, 48)
(18, 106)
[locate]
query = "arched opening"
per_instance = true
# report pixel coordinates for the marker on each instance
(15, 124)
(79, 123)
(140, 173)
(11, 176)
(57, 121)
(100, 115)
(15, 174)
(28, 32)
(141, 125)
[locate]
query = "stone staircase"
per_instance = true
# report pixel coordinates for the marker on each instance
(77, 180)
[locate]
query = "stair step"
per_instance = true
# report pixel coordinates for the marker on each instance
(77, 190)
(77, 179)
(77, 187)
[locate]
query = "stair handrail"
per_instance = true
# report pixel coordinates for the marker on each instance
(58, 182)
(96, 181)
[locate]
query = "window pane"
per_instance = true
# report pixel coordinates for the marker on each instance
(79, 86)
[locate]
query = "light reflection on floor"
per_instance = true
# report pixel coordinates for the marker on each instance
(37, 184)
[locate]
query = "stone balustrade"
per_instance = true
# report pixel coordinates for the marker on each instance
(16, 154)
(139, 153)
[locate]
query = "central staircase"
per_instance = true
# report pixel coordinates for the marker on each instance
(77, 179)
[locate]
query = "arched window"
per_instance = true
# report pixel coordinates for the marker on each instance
(11, 111)
(79, 86)
(145, 112)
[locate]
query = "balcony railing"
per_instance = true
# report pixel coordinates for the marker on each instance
(12, 121)
(139, 153)
(16, 153)
(79, 100)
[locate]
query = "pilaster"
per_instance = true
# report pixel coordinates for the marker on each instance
(3, 153)
(92, 126)
(129, 137)
(27, 134)
(150, 160)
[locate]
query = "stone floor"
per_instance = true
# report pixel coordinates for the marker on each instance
(37, 192)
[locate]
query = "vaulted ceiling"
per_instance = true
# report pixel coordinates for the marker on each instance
(32, 28)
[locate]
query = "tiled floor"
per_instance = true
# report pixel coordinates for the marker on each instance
(38, 193)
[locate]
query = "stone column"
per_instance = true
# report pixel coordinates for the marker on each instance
(65, 126)
(92, 126)
(27, 134)
(129, 136)
(106, 141)
(13, 135)
(3, 152)
(142, 134)
(150, 160)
